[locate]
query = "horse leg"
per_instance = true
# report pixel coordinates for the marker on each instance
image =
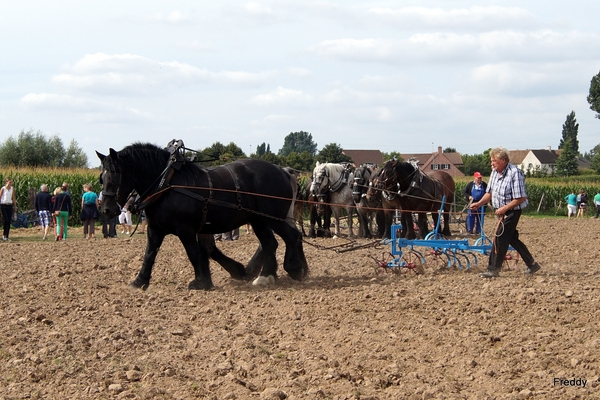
(380, 221)
(446, 216)
(236, 270)
(406, 218)
(265, 255)
(142, 280)
(314, 219)
(336, 214)
(294, 261)
(363, 223)
(326, 230)
(350, 212)
(198, 254)
(422, 222)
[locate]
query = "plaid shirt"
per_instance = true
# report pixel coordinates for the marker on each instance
(507, 186)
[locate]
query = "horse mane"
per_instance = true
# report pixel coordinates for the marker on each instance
(338, 169)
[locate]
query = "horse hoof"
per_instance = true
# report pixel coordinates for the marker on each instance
(200, 285)
(139, 284)
(264, 280)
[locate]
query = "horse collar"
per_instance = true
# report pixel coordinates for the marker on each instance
(415, 183)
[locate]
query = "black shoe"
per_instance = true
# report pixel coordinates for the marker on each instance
(489, 274)
(532, 269)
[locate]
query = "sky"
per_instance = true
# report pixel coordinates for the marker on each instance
(405, 76)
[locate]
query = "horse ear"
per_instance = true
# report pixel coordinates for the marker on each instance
(100, 156)
(113, 153)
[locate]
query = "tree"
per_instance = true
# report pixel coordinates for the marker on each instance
(595, 158)
(391, 155)
(449, 150)
(594, 96)
(332, 153)
(298, 142)
(74, 156)
(301, 162)
(219, 154)
(32, 149)
(569, 133)
(476, 163)
(566, 164)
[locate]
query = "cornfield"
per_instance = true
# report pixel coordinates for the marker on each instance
(546, 193)
(27, 182)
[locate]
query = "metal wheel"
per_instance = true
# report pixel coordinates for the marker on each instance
(384, 263)
(436, 259)
(411, 261)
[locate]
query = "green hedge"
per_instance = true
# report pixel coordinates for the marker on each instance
(27, 182)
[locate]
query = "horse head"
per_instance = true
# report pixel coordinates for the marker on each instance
(320, 179)
(362, 177)
(114, 193)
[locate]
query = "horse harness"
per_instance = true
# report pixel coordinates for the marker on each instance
(337, 185)
(416, 182)
(176, 161)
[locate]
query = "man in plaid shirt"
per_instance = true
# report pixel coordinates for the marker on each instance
(506, 190)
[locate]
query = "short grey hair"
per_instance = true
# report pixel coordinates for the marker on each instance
(501, 153)
(44, 187)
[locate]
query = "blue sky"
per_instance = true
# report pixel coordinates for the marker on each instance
(404, 76)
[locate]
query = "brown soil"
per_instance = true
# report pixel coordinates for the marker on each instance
(71, 327)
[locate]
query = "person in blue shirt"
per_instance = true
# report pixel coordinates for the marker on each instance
(506, 191)
(89, 211)
(474, 192)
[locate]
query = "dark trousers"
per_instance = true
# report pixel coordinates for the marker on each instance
(507, 235)
(109, 226)
(597, 210)
(7, 212)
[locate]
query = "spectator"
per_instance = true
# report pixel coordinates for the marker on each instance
(43, 205)
(8, 204)
(143, 217)
(125, 217)
(62, 210)
(474, 192)
(571, 200)
(227, 236)
(109, 225)
(597, 203)
(89, 211)
(583, 204)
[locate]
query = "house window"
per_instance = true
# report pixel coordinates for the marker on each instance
(440, 166)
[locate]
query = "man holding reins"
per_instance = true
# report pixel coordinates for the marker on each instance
(506, 190)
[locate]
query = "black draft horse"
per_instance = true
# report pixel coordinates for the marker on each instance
(366, 207)
(405, 186)
(183, 199)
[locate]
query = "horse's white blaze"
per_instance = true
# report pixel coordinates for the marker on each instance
(264, 280)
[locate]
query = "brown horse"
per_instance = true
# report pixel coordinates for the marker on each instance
(403, 185)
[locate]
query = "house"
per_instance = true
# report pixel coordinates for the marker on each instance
(448, 162)
(360, 157)
(540, 161)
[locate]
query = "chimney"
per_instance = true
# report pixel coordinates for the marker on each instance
(548, 148)
(439, 149)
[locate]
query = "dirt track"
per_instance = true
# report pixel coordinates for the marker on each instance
(71, 328)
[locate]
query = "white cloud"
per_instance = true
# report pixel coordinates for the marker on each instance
(458, 48)
(128, 74)
(174, 17)
(89, 110)
(283, 96)
(476, 17)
